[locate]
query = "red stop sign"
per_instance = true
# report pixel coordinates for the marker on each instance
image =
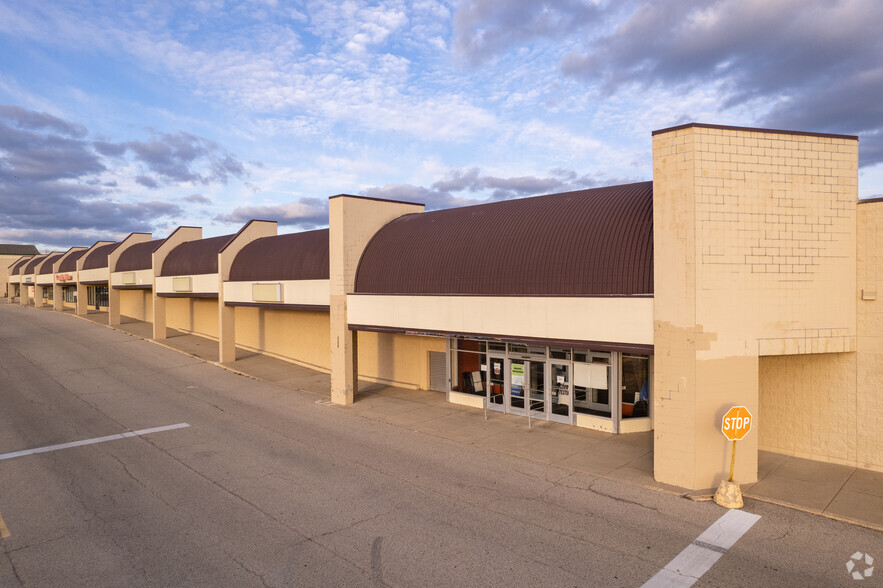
(736, 423)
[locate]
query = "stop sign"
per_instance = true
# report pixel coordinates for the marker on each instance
(736, 423)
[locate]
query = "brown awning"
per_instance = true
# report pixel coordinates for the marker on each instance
(98, 258)
(298, 256)
(69, 263)
(138, 257)
(596, 242)
(195, 257)
(45, 267)
(32, 264)
(18, 264)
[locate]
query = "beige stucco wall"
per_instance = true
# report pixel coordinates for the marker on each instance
(137, 304)
(199, 284)
(808, 406)
(139, 278)
(312, 292)
(5, 277)
(754, 250)
(869, 375)
(352, 222)
(193, 315)
(621, 320)
(295, 335)
(829, 407)
(402, 360)
(99, 274)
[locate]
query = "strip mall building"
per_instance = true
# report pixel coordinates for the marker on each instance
(746, 273)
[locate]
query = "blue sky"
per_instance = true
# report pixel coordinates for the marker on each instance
(143, 116)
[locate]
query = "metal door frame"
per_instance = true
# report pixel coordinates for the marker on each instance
(551, 363)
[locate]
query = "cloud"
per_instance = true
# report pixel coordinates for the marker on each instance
(486, 28)
(179, 158)
(809, 65)
(352, 66)
(28, 119)
(28, 156)
(197, 199)
(442, 193)
(305, 213)
(55, 181)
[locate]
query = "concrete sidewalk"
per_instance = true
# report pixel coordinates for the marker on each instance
(835, 491)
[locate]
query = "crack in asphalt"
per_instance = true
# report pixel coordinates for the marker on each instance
(591, 489)
(12, 565)
(242, 565)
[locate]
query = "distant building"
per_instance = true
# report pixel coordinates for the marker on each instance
(9, 254)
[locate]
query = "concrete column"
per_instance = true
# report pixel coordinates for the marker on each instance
(82, 308)
(254, 229)
(159, 317)
(352, 220)
(113, 305)
(113, 294)
(178, 236)
(57, 297)
(739, 272)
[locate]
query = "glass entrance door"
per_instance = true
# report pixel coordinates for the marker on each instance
(527, 387)
(517, 385)
(536, 392)
(560, 397)
(496, 383)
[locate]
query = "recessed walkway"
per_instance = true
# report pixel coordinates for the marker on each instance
(831, 490)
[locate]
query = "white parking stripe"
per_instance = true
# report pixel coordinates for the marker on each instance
(90, 441)
(698, 557)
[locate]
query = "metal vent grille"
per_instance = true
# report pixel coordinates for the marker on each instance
(438, 377)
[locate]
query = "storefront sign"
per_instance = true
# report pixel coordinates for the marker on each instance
(517, 379)
(63, 277)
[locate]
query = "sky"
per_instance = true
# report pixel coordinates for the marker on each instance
(121, 116)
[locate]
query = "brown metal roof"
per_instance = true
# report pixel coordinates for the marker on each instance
(69, 263)
(595, 242)
(298, 256)
(15, 249)
(195, 257)
(13, 269)
(45, 267)
(98, 257)
(29, 268)
(138, 257)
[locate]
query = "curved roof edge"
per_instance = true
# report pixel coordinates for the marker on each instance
(138, 257)
(294, 256)
(195, 257)
(595, 242)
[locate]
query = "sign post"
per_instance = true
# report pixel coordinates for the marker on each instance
(735, 425)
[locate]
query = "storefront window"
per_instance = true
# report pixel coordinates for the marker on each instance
(635, 386)
(469, 364)
(591, 383)
(559, 353)
(522, 349)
